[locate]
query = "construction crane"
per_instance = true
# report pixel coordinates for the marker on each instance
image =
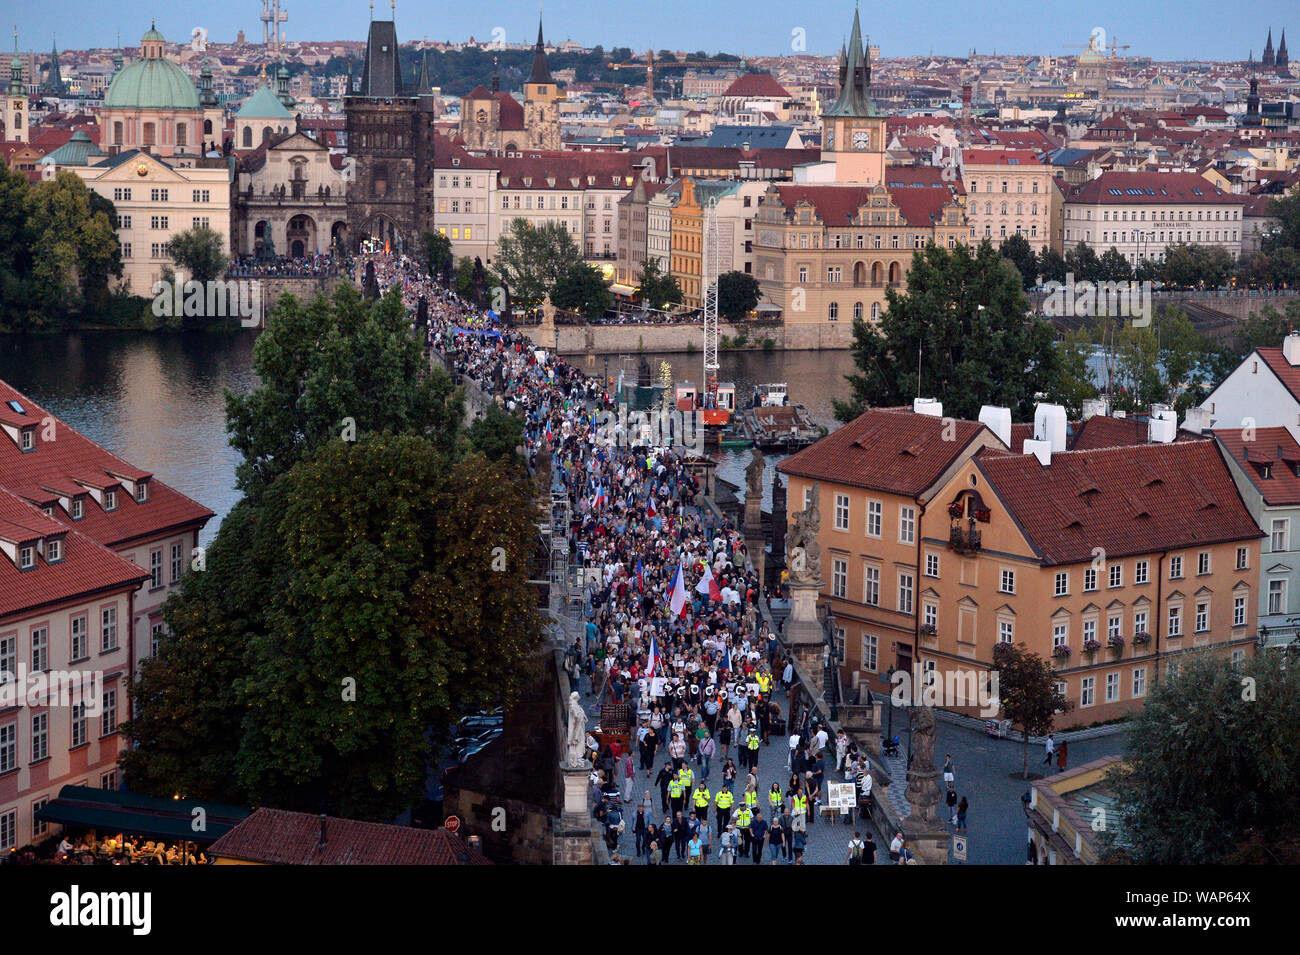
(710, 279)
(1116, 45)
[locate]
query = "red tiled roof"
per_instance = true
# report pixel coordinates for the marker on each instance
(1000, 157)
(1274, 447)
(59, 464)
(885, 449)
(1166, 187)
(837, 204)
(1131, 500)
(86, 567)
(916, 176)
(512, 113)
(756, 84)
(1103, 431)
(280, 837)
(1286, 373)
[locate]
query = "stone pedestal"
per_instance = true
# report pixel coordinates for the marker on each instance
(923, 829)
(804, 636)
(577, 789)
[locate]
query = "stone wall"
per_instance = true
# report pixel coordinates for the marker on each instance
(623, 339)
(304, 289)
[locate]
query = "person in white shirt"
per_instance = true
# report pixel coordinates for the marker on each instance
(794, 745)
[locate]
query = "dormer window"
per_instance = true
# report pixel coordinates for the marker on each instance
(54, 550)
(26, 557)
(29, 439)
(110, 500)
(47, 511)
(78, 509)
(142, 492)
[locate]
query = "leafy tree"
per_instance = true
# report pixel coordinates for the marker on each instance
(1159, 363)
(1209, 776)
(1192, 265)
(1075, 381)
(437, 253)
(1017, 249)
(331, 360)
(966, 317)
(1114, 267)
(1286, 209)
(1027, 688)
(199, 251)
(1083, 263)
(15, 250)
(657, 288)
(737, 295)
(1266, 328)
(72, 244)
(531, 258)
(582, 288)
(1051, 265)
(497, 435)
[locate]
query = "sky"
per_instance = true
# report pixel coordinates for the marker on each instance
(1183, 29)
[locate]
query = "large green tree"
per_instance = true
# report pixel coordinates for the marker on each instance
(1075, 381)
(1193, 264)
(657, 288)
(582, 288)
(531, 259)
(964, 318)
(1017, 249)
(738, 294)
(438, 259)
(1210, 775)
(1027, 690)
(1162, 362)
(74, 247)
(201, 252)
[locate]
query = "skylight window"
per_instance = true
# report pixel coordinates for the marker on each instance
(15, 406)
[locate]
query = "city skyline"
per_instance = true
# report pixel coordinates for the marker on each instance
(938, 27)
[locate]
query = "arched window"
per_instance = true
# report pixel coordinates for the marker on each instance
(895, 273)
(149, 137)
(988, 208)
(181, 135)
(833, 312)
(207, 127)
(857, 310)
(248, 137)
(1004, 208)
(266, 133)
(875, 311)
(1020, 208)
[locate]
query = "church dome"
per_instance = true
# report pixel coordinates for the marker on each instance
(151, 82)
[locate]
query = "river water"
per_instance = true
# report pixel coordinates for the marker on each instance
(157, 400)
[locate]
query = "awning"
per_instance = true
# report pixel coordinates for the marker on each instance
(768, 307)
(108, 810)
(625, 290)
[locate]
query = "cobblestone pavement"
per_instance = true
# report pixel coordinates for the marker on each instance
(827, 844)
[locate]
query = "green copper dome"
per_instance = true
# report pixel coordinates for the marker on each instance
(151, 84)
(153, 34)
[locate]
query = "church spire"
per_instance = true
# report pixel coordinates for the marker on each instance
(54, 84)
(855, 77)
(541, 72)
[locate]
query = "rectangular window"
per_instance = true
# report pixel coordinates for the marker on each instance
(178, 562)
(54, 550)
(8, 829)
(40, 649)
(155, 569)
(1113, 626)
(871, 587)
(1089, 630)
(1175, 568)
(1112, 687)
(80, 639)
(1203, 563)
(39, 826)
(841, 512)
(1088, 691)
(874, 512)
(905, 584)
(1243, 558)
(1139, 621)
(870, 652)
(1060, 635)
(1277, 596)
(155, 638)
(108, 630)
(40, 736)
(1140, 572)
(142, 492)
(1175, 621)
(1202, 616)
(8, 747)
(8, 659)
(930, 615)
(839, 577)
(1239, 611)
(78, 735)
(932, 565)
(1089, 580)
(1008, 585)
(108, 718)
(1139, 681)
(1116, 575)
(1062, 583)
(1006, 631)
(1278, 538)
(26, 558)
(108, 780)
(906, 525)
(110, 500)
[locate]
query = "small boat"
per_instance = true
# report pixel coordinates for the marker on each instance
(781, 427)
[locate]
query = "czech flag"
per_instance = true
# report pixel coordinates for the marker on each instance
(600, 495)
(708, 585)
(640, 581)
(654, 658)
(678, 601)
(650, 506)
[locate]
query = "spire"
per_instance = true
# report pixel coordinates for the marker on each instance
(1282, 59)
(16, 69)
(423, 84)
(541, 73)
(855, 77)
(1267, 60)
(54, 84)
(117, 55)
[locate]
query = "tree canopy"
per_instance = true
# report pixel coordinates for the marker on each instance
(200, 251)
(582, 288)
(657, 288)
(738, 293)
(531, 259)
(1027, 689)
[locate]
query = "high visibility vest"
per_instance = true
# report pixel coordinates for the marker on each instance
(751, 798)
(764, 682)
(724, 799)
(753, 741)
(776, 799)
(801, 804)
(743, 818)
(675, 788)
(701, 798)
(687, 777)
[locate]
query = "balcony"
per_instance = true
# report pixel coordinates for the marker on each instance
(964, 540)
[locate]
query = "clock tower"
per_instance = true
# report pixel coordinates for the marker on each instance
(15, 104)
(853, 131)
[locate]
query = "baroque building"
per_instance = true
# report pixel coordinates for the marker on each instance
(491, 120)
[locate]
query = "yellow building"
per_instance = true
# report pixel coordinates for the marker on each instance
(1068, 811)
(686, 246)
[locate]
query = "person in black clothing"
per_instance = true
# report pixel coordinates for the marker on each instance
(639, 829)
(951, 801)
(869, 850)
(681, 833)
(665, 776)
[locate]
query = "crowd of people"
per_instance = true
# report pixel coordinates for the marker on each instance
(319, 265)
(87, 848)
(670, 625)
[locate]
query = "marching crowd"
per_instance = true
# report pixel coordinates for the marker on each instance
(671, 625)
(313, 266)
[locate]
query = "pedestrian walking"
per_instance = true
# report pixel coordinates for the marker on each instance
(947, 769)
(1050, 746)
(1062, 755)
(962, 807)
(951, 801)
(856, 847)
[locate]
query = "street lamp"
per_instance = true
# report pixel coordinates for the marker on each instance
(889, 699)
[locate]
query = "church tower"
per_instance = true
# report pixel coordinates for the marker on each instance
(853, 134)
(1282, 61)
(542, 101)
(1267, 60)
(15, 112)
(54, 85)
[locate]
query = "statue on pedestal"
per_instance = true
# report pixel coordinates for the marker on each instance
(922, 780)
(576, 741)
(805, 553)
(754, 476)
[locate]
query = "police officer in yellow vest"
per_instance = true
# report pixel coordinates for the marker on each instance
(752, 744)
(776, 801)
(744, 816)
(723, 802)
(799, 813)
(750, 799)
(687, 776)
(701, 799)
(675, 793)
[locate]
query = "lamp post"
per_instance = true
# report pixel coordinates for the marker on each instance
(889, 700)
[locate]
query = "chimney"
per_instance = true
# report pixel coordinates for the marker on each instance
(998, 421)
(1039, 449)
(928, 406)
(1120, 414)
(1162, 425)
(1197, 420)
(1049, 425)
(321, 844)
(1093, 407)
(1291, 349)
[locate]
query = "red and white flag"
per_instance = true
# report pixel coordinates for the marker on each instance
(708, 585)
(678, 600)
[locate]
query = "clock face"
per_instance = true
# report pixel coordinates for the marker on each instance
(142, 170)
(482, 116)
(861, 139)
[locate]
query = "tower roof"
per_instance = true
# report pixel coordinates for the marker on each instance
(423, 83)
(855, 91)
(541, 72)
(381, 75)
(263, 105)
